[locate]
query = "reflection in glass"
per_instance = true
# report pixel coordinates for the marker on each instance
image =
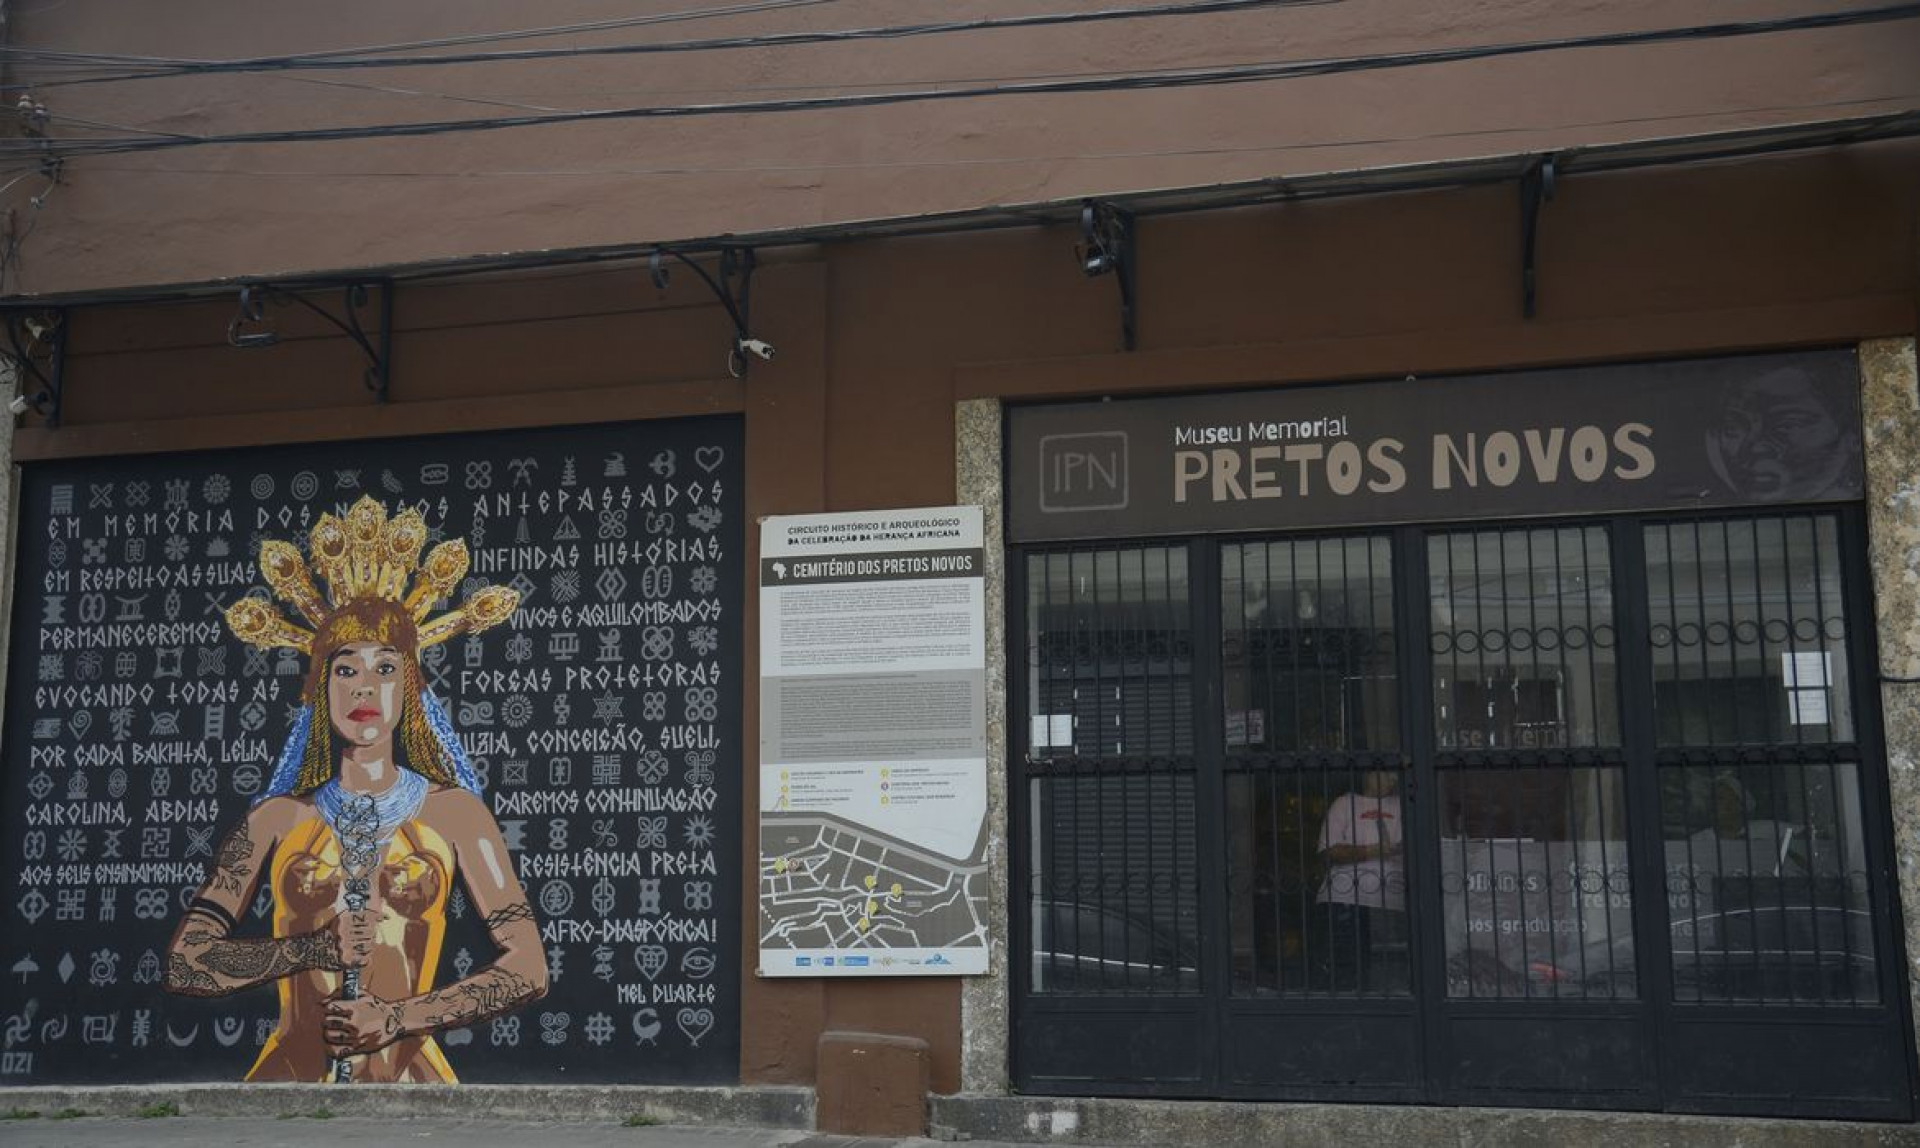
(1767, 884)
(1749, 631)
(1113, 895)
(1113, 880)
(1307, 641)
(1109, 653)
(1523, 639)
(1537, 900)
(1317, 882)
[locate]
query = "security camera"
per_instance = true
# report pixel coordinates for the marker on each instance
(19, 405)
(759, 347)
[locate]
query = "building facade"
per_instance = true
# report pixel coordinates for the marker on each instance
(1452, 616)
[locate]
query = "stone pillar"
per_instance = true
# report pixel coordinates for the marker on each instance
(984, 1020)
(1890, 411)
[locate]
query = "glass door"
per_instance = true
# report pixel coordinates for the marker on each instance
(1531, 876)
(1778, 924)
(1320, 995)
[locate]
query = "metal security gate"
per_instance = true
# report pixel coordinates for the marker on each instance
(1583, 814)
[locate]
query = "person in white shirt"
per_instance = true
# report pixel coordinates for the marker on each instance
(1360, 842)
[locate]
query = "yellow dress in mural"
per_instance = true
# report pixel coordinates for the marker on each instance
(413, 884)
(372, 813)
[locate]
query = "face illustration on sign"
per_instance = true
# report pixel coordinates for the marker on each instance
(1777, 440)
(372, 814)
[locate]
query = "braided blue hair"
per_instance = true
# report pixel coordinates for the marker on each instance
(286, 772)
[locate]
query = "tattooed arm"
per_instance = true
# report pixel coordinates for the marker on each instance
(518, 975)
(204, 959)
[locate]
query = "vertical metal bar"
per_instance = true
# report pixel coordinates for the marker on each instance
(1700, 623)
(1672, 622)
(1165, 621)
(1768, 730)
(1215, 958)
(1870, 777)
(1290, 617)
(1411, 622)
(1574, 895)
(1523, 538)
(1308, 895)
(1019, 802)
(1795, 703)
(1683, 728)
(1130, 620)
(1820, 629)
(1794, 709)
(1346, 742)
(1101, 771)
(1587, 576)
(1594, 571)
(1801, 767)
(1733, 646)
(1236, 818)
(1078, 640)
(1647, 916)
(1318, 666)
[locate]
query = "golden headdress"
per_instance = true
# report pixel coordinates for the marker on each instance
(365, 557)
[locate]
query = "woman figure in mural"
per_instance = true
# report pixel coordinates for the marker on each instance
(372, 811)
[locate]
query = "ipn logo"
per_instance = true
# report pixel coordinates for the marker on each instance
(1083, 472)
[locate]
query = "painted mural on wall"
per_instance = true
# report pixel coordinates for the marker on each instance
(322, 765)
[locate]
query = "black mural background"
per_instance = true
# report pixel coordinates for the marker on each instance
(603, 719)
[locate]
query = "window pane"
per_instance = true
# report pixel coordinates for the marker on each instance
(1767, 884)
(1307, 640)
(1523, 639)
(1317, 880)
(1537, 901)
(1109, 653)
(1749, 631)
(1113, 897)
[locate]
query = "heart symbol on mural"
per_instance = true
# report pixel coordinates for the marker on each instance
(709, 458)
(651, 959)
(696, 1023)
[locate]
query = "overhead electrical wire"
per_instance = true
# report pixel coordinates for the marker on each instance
(97, 59)
(1120, 82)
(710, 44)
(982, 161)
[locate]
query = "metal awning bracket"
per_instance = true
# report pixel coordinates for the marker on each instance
(732, 286)
(1536, 190)
(250, 326)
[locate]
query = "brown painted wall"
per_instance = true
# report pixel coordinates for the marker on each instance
(207, 212)
(877, 340)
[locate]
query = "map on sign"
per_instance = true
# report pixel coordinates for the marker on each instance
(837, 886)
(873, 744)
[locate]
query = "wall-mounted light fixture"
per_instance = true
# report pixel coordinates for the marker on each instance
(1106, 248)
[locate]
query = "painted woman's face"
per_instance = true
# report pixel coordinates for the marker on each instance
(1777, 441)
(363, 691)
